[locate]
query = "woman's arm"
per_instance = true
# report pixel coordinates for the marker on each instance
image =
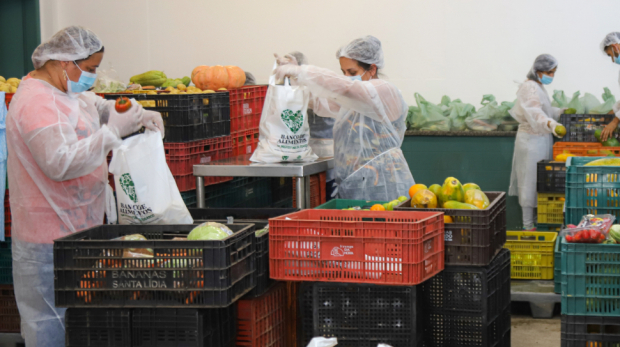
(533, 112)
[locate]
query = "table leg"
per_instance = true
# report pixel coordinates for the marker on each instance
(200, 191)
(307, 187)
(301, 193)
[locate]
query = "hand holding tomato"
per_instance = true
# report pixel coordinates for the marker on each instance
(122, 104)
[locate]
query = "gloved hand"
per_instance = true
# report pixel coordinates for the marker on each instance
(123, 124)
(552, 125)
(287, 60)
(286, 71)
(152, 120)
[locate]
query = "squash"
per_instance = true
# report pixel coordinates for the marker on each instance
(210, 77)
(217, 77)
(236, 77)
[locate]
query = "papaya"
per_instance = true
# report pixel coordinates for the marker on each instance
(149, 78)
(468, 186)
(436, 189)
(452, 190)
(605, 162)
(562, 157)
(611, 142)
(455, 205)
(424, 199)
(477, 198)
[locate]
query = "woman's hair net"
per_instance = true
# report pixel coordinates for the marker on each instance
(609, 40)
(69, 44)
(300, 57)
(366, 49)
(543, 63)
(249, 79)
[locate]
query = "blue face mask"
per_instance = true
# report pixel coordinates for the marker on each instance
(357, 77)
(85, 82)
(617, 60)
(546, 79)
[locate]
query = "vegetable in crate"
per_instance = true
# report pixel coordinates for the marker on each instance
(605, 162)
(217, 77)
(150, 78)
(122, 104)
(209, 231)
(584, 235)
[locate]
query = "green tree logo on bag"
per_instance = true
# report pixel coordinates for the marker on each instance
(293, 121)
(128, 187)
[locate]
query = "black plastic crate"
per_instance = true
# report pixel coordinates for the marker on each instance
(186, 133)
(97, 327)
(93, 270)
(463, 329)
(221, 128)
(361, 315)
(281, 188)
(464, 289)
(475, 236)
(581, 127)
(184, 327)
(579, 331)
(551, 177)
(257, 216)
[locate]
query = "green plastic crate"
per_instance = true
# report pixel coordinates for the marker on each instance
(590, 279)
(339, 204)
(557, 267)
(591, 189)
(189, 198)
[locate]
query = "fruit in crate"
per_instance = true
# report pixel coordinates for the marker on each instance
(455, 205)
(477, 198)
(468, 186)
(209, 231)
(149, 78)
(424, 199)
(377, 207)
(9, 85)
(416, 188)
(218, 77)
(563, 156)
(611, 142)
(604, 162)
(452, 190)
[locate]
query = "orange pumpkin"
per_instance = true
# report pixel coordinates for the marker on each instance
(210, 77)
(198, 69)
(236, 77)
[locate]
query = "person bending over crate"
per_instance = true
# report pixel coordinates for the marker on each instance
(611, 47)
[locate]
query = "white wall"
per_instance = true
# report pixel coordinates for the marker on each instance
(462, 48)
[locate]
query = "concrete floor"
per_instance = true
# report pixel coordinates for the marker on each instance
(529, 332)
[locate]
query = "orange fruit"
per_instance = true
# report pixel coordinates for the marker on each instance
(447, 219)
(415, 188)
(377, 207)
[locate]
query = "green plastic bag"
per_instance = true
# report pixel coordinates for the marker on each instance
(559, 99)
(430, 116)
(489, 116)
(589, 102)
(576, 103)
(458, 112)
(609, 100)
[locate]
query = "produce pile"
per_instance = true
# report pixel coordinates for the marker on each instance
(206, 79)
(9, 85)
(593, 229)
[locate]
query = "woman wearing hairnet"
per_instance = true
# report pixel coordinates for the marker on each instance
(369, 115)
(57, 167)
(537, 121)
(611, 47)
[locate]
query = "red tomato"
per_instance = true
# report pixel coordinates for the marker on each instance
(594, 235)
(569, 238)
(577, 237)
(601, 237)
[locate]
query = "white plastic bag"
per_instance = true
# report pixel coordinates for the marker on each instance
(323, 342)
(284, 132)
(146, 192)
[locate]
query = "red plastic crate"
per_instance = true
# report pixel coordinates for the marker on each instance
(8, 97)
(246, 107)
(396, 248)
(188, 182)
(318, 195)
(261, 321)
(194, 147)
(244, 142)
(9, 315)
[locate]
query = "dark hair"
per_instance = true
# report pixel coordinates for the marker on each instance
(366, 66)
(99, 51)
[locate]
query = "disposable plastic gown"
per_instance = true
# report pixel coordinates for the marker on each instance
(321, 135)
(368, 133)
(57, 179)
(534, 141)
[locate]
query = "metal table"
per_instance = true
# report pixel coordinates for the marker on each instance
(241, 166)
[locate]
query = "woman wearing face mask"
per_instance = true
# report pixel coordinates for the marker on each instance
(369, 115)
(611, 47)
(537, 121)
(57, 168)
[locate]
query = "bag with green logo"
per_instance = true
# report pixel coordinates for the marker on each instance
(284, 132)
(146, 192)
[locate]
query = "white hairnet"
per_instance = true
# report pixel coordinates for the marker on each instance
(543, 63)
(609, 40)
(300, 57)
(366, 49)
(69, 44)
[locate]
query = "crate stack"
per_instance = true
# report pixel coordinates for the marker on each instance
(550, 186)
(359, 271)
(532, 254)
(590, 278)
(246, 107)
(468, 304)
(185, 294)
